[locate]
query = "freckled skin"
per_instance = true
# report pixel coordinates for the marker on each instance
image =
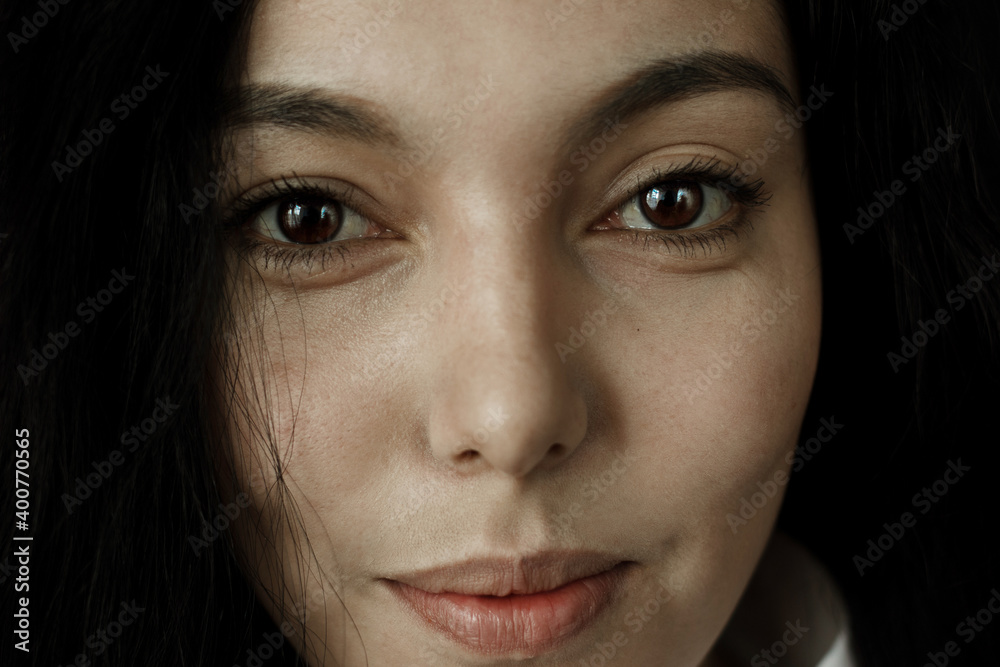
(419, 402)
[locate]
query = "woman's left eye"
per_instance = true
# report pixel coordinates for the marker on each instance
(308, 220)
(675, 205)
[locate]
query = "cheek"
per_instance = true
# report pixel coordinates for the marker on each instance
(310, 408)
(714, 383)
(718, 379)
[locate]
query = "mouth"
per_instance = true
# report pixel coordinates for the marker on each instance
(526, 605)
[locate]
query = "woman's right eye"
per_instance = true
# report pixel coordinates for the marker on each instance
(309, 220)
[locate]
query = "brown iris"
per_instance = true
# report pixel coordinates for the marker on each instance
(672, 205)
(309, 220)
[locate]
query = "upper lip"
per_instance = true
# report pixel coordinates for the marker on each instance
(518, 575)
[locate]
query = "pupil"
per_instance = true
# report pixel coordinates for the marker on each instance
(673, 206)
(310, 220)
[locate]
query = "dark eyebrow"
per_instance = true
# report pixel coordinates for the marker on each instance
(657, 84)
(310, 110)
(665, 81)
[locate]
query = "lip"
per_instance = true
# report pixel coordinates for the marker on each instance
(525, 605)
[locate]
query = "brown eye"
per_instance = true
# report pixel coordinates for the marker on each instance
(304, 218)
(678, 205)
(309, 220)
(672, 205)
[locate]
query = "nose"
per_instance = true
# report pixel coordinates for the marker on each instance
(501, 397)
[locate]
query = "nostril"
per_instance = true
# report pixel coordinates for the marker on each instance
(468, 455)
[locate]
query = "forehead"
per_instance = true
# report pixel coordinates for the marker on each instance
(412, 56)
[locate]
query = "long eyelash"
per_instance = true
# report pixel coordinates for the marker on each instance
(712, 172)
(241, 211)
(273, 257)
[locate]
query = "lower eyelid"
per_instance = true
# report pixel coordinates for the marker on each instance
(347, 258)
(712, 239)
(295, 258)
(703, 243)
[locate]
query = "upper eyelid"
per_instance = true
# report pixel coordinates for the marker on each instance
(279, 188)
(696, 169)
(240, 211)
(710, 173)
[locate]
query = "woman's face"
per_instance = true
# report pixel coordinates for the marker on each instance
(552, 333)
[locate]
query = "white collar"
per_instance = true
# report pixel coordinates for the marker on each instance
(792, 605)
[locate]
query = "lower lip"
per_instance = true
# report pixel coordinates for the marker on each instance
(526, 624)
